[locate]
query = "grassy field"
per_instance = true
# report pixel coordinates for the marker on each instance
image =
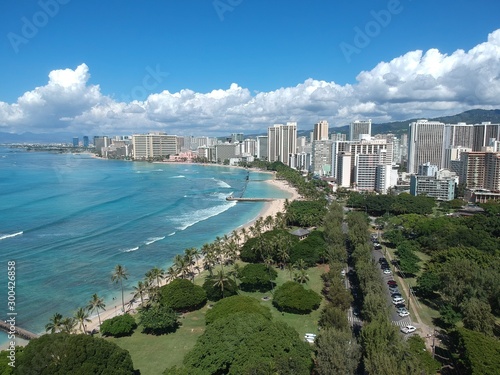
(153, 354)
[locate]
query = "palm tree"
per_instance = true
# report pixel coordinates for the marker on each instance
(140, 290)
(301, 277)
(269, 222)
(268, 261)
(300, 265)
(244, 234)
(55, 323)
(171, 274)
(236, 274)
(220, 281)
(181, 265)
(120, 274)
(236, 237)
(96, 304)
(82, 316)
(68, 325)
(156, 274)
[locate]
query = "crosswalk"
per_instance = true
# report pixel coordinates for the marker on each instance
(401, 323)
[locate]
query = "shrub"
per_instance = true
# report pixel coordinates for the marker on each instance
(214, 293)
(183, 295)
(122, 325)
(236, 304)
(158, 320)
(292, 297)
(257, 277)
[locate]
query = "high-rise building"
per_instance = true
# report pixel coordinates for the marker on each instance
(322, 157)
(344, 169)
(320, 132)
(100, 142)
(261, 147)
(154, 145)
(425, 144)
(481, 170)
(366, 166)
(76, 142)
(226, 151)
(338, 137)
(357, 128)
(483, 133)
(282, 141)
(460, 134)
(249, 147)
(237, 137)
(85, 141)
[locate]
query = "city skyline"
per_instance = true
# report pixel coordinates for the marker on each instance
(209, 69)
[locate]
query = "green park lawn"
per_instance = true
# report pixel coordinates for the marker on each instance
(153, 354)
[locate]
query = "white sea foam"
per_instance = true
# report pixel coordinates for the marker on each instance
(189, 219)
(179, 176)
(130, 250)
(223, 184)
(153, 240)
(171, 234)
(10, 235)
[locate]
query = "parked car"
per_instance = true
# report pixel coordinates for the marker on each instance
(403, 313)
(392, 282)
(408, 329)
(400, 306)
(387, 271)
(396, 295)
(398, 300)
(394, 289)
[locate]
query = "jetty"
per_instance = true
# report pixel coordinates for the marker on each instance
(19, 332)
(231, 198)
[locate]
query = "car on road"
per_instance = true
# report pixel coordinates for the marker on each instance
(404, 313)
(387, 271)
(408, 329)
(398, 300)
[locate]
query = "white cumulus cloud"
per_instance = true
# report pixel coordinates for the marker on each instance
(416, 84)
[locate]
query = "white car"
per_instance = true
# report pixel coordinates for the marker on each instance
(387, 271)
(403, 313)
(398, 300)
(310, 337)
(408, 329)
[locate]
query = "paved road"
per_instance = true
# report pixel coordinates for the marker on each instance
(395, 318)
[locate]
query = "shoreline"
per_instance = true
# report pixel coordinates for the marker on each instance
(270, 208)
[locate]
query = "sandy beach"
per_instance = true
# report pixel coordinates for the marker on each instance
(270, 209)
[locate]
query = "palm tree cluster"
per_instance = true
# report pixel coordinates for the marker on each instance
(58, 323)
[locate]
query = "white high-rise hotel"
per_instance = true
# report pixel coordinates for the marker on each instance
(425, 144)
(282, 141)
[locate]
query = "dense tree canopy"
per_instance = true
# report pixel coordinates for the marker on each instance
(63, 354)
(257, 277)
(294, 298)
(212, 287)
(245, 343)
(158, 319)
(236, 304)
(310, 250)
(183, 295)
(306, 213)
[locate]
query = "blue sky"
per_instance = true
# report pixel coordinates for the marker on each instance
(201, 46)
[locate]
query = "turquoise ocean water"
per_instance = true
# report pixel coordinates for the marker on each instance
(68, 219)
